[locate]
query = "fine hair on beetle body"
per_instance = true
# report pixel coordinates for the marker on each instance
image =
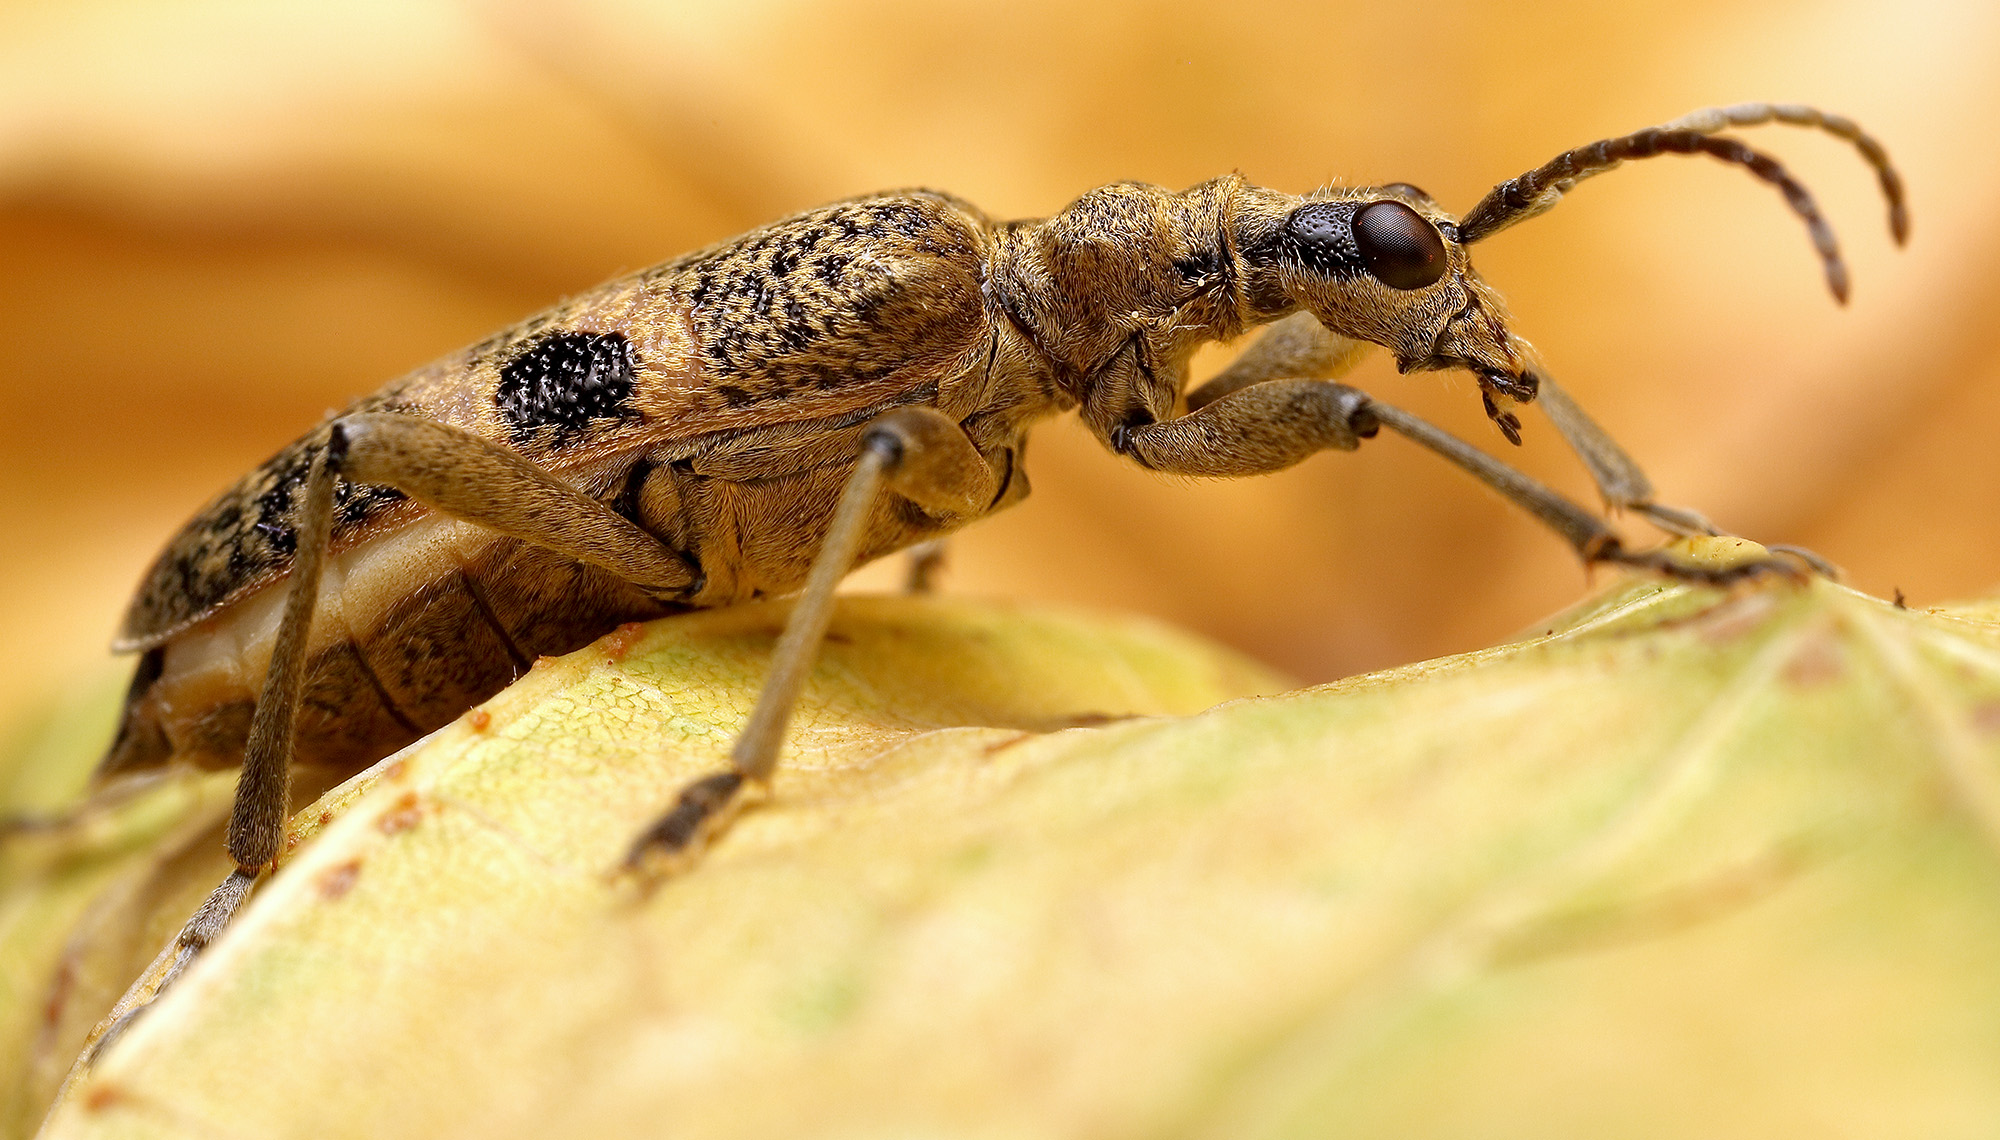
(759, 417)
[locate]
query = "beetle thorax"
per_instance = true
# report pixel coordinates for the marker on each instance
(1119, 287)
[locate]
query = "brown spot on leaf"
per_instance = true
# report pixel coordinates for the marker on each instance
(394, 771)
(479, 719)
(1734, 618)
(619, 643)
(1002, 745)
(405, 814)
(338, 880)
(1818, 660)
(1986, 717)
(102, 1096)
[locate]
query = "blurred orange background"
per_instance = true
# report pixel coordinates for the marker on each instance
(222, 218)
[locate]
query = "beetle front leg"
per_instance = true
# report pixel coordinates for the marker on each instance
(1295, 348)
(1618, 477)
(917, 453)
(1273, 425)
(1621, 481)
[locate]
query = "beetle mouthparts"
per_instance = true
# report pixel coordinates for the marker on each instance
(1521, 389)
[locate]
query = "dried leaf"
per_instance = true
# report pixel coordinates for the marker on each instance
(1687, 863)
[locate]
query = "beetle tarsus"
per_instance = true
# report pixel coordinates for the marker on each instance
(702, 809)
(916, 453)
(1774, 565)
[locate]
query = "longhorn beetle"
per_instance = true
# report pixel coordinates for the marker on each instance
(760, 416)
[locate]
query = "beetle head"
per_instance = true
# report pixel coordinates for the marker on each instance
(1385, 265)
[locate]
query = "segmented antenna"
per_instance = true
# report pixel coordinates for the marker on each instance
(1712, 119)
(1537, 191)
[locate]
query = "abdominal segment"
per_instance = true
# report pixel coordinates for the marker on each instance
(388, 662)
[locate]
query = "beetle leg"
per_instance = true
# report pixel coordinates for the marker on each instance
(922, 563)
(917, 453)
(1618, 477)
(1276, 424)
(1622, 483)
(456, 473)
(1295, 348)
(257, 821)
(469, 478)
(1300, 347)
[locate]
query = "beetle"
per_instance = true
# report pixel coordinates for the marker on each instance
(760, 416)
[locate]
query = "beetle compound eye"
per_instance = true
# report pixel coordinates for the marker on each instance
(1400, 248)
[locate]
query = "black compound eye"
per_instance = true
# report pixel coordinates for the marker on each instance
(1399, 247)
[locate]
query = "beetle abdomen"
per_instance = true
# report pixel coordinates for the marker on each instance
(424, 624)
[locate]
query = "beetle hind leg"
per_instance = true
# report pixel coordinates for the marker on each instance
(916, 453)
(451, 471)
(257, 820)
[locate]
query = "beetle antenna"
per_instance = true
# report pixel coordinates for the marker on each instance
(1536, 192)
(1712, 119)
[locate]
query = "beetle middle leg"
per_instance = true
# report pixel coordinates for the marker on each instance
(917, 453)
(921, 565)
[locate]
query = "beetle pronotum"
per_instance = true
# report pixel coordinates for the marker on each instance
(760, 416)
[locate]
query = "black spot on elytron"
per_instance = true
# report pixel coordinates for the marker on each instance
(561, 384)
(353, 504)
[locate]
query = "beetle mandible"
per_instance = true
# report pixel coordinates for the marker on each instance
(760, 416)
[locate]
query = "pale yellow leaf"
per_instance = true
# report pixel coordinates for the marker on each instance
(1691, 863)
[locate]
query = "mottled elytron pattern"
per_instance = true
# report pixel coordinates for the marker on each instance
(815, 304)
(242, 538)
